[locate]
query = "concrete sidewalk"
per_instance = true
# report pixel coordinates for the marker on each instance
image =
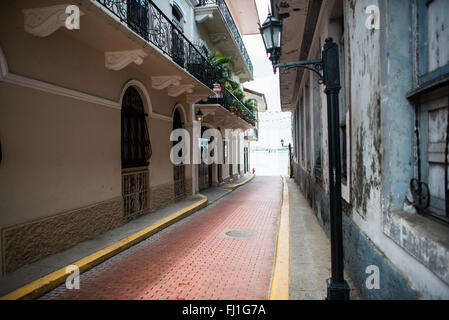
(32, 272)
(310, 257)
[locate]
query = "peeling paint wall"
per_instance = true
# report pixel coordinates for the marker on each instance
(364, 50)
(411, 252)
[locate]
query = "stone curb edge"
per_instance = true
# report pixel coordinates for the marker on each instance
(235, 186)
(280, 283)
(44, 284)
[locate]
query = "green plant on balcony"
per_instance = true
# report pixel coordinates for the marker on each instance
(232, 85)
(250, 104)
(238, 104)
(239, 94)
(221, 68)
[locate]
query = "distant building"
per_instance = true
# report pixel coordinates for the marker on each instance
(261, 102)
(274, 127)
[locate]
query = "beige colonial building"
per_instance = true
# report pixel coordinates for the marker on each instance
(86, 113)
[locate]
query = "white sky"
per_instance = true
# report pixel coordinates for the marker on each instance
(264, 79)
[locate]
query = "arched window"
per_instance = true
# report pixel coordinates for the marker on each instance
(177, 124)
(178, 170)
(177, 16)
(178, 54)
(136, 146)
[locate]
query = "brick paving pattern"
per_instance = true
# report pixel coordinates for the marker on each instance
(194, 258)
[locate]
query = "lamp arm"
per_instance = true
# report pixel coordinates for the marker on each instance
(317, 66)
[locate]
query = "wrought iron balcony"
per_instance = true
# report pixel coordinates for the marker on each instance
(221, 4)
(234, 105)
(148, 21)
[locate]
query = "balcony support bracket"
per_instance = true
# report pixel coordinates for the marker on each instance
(203, 14)
(42, 22)
(163, 82)
(195, 98)
(117, 60)
(217, 38)
(176, 91)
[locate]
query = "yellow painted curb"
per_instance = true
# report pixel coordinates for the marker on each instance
(280, 283)
(235, 186)
(54, 279)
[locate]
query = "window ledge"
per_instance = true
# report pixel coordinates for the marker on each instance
(423, 238)
(428, 86)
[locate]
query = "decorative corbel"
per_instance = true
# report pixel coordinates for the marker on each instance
(202, 15)
(117, 60)
(163, 82)
(195, 98)
(42, 22)
(175, 91)
(216, 38)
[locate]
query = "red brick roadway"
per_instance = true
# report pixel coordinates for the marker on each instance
(194, 258)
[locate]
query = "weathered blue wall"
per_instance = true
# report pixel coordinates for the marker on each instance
(397, 114)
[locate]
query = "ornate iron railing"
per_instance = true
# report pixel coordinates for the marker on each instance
(234, 105)
(232, 26)
(148, 21)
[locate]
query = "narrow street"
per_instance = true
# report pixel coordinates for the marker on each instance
(263, 150)
(225, 251)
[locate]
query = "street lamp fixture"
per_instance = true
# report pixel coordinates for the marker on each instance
(199, 115)
(271, 35)
(328, 71)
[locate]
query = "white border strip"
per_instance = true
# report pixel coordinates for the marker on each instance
(47, 87)
(51, 88)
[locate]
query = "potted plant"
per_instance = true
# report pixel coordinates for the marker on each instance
(221, 67)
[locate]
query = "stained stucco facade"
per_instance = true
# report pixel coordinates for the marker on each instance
(385, 93)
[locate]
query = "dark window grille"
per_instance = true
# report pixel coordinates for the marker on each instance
(136, 146)
(177, 17)
(178, 52)
(178, 170)
(137, 17)
(135, 193)
(177, 124)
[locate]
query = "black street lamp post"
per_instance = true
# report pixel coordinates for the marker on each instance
(337, 287)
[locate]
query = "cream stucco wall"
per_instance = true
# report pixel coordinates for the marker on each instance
(58, 154)
(61, 153)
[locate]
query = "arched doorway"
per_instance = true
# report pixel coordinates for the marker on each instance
(178, 170)
(245, 160)
(204, 170)
(136, 153)
(220, 163)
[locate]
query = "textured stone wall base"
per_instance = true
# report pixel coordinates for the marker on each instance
(161, 196)
(29, 242)
(188, 187)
